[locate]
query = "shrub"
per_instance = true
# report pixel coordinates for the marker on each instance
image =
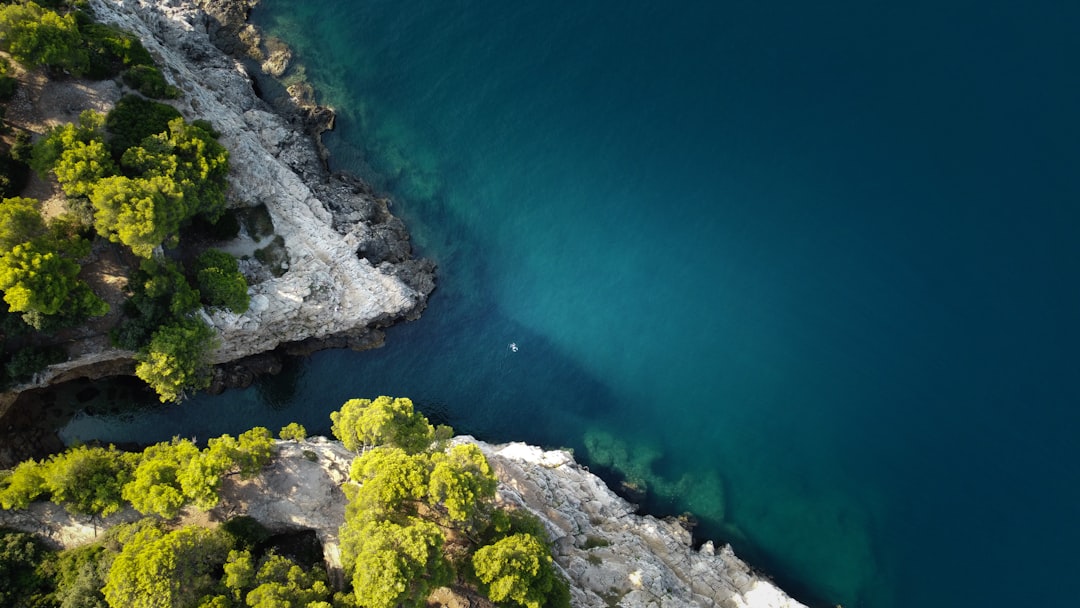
(110, 50)
(294, 431)
(38, 37)
(30, 360)
(8, 83)
(149, 81)
(133, 119)
(175, 359)
(23, 561)
(220, 281)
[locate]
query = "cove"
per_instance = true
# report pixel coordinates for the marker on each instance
(808, 273)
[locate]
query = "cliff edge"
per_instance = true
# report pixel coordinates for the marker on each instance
(342, 265)
(610, 555)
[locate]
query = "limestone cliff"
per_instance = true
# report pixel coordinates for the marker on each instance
(610, 555)
(345, 267)
(327, 289)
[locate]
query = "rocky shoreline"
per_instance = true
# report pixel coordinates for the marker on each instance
(345, 269)
(610, 555)
(350, 273)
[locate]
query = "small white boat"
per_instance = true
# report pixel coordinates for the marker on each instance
(513, 347)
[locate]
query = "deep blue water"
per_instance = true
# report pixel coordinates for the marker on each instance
(810, 272)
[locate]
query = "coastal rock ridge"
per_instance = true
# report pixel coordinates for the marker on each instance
(343, 266)
(610, 555)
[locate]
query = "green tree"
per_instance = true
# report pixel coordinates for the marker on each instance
(155, 486)
(294, 431)
(20, 222)
(88, 480)
(461, 481)
(38, 37)
(201, 478)
(519, 569)
(81, 166)
(175, 359)
(48, 151)
(23, 486)
(80, 575)
(165, 570)
(23, 581)
(133, 119)
(190, 158)
(361, 424)
(36, 278)
(220, 281)
(139, 212)
(388, 478)
(278, 582)
(394, 564)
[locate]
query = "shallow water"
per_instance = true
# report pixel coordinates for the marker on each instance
(808, 272)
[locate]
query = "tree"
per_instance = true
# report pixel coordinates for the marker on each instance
(518, 569)
(48, 151)
(294, 431)
(22, 582)
(39, 37)
(277, 583)
(175, 359)
(80, 575)
(23, 486)
(165, 570)
(138, 212)
(388, 478)
(361, 424)
(461, 481)
(81, 166)
(394, 564)
(36, 278)
(88, 480)
(135, 118)
(201, 477)
(155, 486)
(20, 222)
(220, 281)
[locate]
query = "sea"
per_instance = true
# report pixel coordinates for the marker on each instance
(809, 272)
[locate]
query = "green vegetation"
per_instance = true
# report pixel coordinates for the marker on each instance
(411, 494)
(419, 517)
(137, 176)
(517, 568)
(294, 431)
(220, 281)
(174, 361)
(37, 35)
(24, 564)
(158, 569)
(362, 424)
(38, 268)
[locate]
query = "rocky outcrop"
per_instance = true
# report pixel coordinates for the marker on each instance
(327, 289)
(613, 556)
(347, 268)
(610, 555)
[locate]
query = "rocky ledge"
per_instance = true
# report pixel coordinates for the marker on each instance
(344, 267)
(349, 268)
(610, 555)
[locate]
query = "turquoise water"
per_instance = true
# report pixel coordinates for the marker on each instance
(809, 272)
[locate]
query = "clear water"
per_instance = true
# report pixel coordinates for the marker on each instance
(810, 272)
